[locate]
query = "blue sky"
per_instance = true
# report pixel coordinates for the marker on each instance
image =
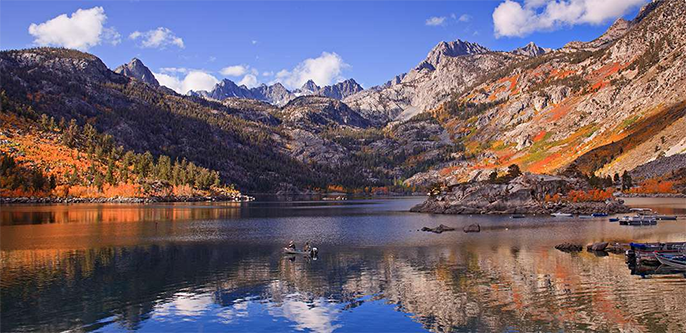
(368, 41)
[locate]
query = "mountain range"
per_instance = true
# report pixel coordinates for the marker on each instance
(599, 107)
(276, 93)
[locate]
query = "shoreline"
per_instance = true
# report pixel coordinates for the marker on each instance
(133, 200)
(651, 195)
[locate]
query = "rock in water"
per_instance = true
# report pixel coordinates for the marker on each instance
(472, 228)
(569, 247)
(598, 246)
(440, 229)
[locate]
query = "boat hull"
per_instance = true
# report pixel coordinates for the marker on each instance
(676, 261)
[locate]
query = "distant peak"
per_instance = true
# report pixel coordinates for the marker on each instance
(451, 49)
(136, 69)
(310, 85)
(531, 50)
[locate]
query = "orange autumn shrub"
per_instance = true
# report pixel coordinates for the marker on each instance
(183, 190)
(593, 195)
(335, 188)
(126, 190)
(553, 198)
(654, 186)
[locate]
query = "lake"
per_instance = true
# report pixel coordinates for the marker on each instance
(220, 267)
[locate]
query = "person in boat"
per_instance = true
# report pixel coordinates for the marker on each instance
(307, 247)
(291, 246)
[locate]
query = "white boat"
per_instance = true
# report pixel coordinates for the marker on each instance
(677, 261)
(562, 215)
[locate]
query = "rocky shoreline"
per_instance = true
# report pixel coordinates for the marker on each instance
(71, 200)
(652, 195)
(525, 194)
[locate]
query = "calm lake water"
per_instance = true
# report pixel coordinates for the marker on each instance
(219, 267)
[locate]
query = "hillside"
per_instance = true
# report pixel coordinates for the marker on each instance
(309, 144)
(45, 158)
(605, 106)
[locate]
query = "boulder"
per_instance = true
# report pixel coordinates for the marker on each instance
(472, 228)
(440, 229)
(569, 247)
(598, 246)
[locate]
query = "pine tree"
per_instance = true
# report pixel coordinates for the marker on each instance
(109, 177)
(98, 181)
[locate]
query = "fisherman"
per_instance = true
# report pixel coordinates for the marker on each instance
(307, 247)
(291, 246)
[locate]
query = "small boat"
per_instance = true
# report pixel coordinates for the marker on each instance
(644, 253)
(585, 216)
(677, 261)
(614, 219)
(666, 217)
(517, 216)
(314, 252)
(637, 220)
(562, 215)
(599, 214)
(291, 251)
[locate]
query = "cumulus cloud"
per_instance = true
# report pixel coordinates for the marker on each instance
(270, 73)
(158, 38)
(323, 70)
(237, 70)
(82, 30)
(435, 21)
(194, 80)
(514, 19)
(250, 81)
(465, 18)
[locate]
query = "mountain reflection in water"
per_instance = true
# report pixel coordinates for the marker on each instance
(225, 271)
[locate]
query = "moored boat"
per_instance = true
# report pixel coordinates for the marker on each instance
(676, 261)
(562, 214)
(599, 214)
(644, 253)
(614, 219)
(517, 216)
(666, 217)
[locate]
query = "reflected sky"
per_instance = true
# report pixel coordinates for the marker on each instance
(221, 269)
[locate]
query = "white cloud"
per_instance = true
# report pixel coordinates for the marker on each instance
(254, 42)
(158, 38)
(195, 80)
(323, 70)
(174, 70)
(270, 73)
(465, 18)
(512, 19)
(237, 70)
(82, 30)
(435, 21)
(249, 81)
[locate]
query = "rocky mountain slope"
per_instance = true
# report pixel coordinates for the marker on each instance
(449, 67)
(604, 106)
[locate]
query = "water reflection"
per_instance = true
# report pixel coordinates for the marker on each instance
(506, 278)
